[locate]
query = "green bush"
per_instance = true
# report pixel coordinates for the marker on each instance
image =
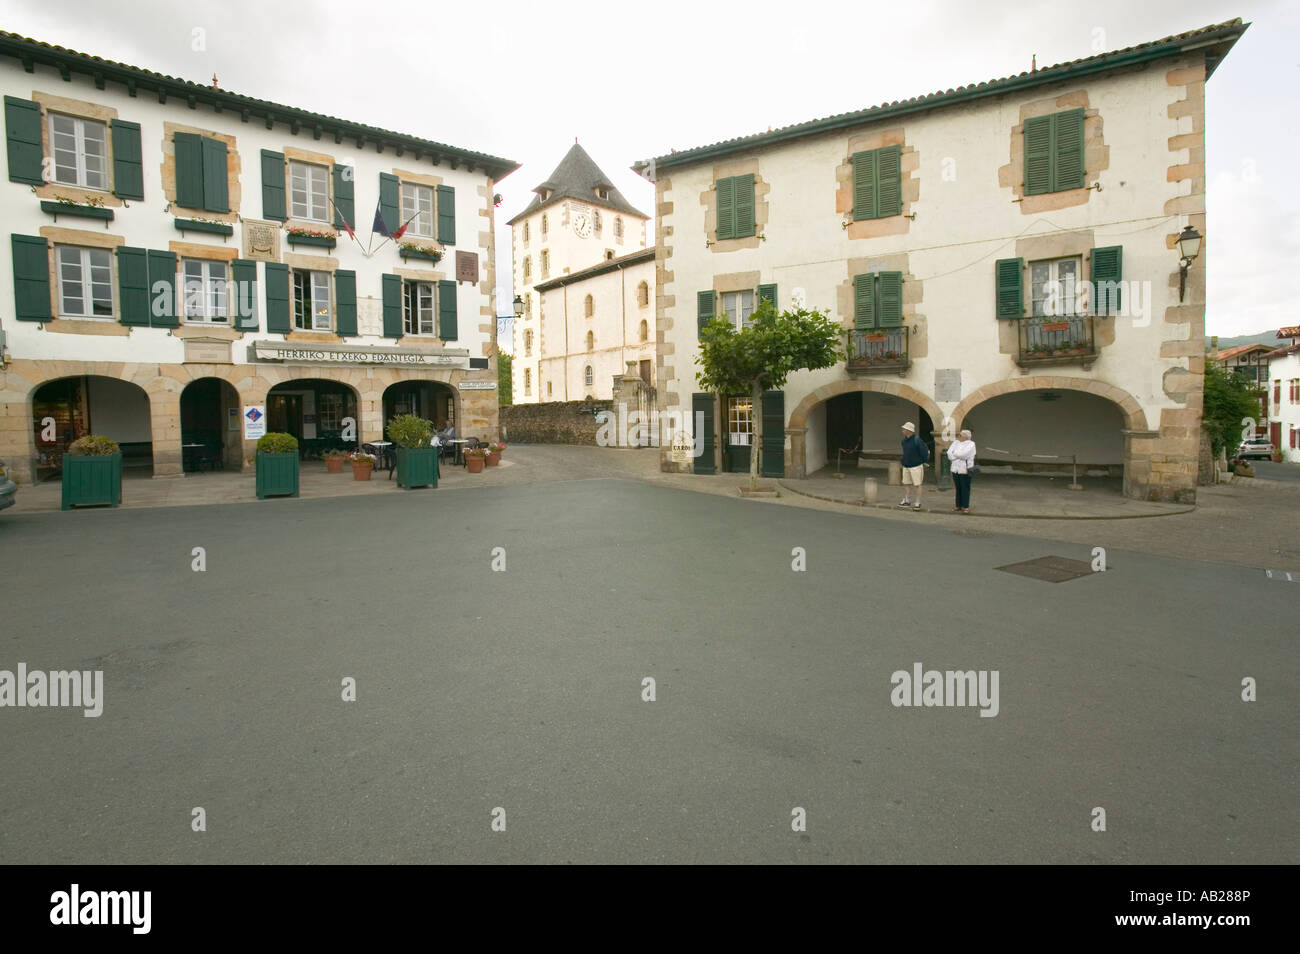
(276, 443)
(407, 430)
(93, 445)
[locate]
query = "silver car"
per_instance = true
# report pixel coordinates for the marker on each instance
(1260, 447)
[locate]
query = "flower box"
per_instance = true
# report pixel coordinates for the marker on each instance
(277, 475)
(194, 225)
(83, 211)
(1055, 326)
(320, 241)
(417, 467)
(90, 481)
(419, 253)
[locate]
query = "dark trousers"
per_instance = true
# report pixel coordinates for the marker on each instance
(962, 483)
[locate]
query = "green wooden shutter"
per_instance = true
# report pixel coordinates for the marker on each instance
(277, 298)
(702, 428)
(864, 184)
(162, 289)
(389, 201)
(1038, 155)
(23, 139)
(273, 206)
(726, 208)
(1010, 287)
(392, 285)
(772, 461)
(1106, 274)
(31, 256)
(1067, 150)
(889, 182)
(446, 215)
(243, 296)
(705, 308)
(889, 287)
(133, 286)
(128, 167)
(864, 301)
(216, 197)
(345, 296)
(744, 206)
(189, 170)
(447, 327)
(344, 197)
(768, 292)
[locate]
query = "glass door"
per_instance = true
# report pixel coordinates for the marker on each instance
(740, 434)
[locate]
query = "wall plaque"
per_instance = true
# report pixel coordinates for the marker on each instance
(467, 267)
(261, 240)
(947, 385)
(207, 351)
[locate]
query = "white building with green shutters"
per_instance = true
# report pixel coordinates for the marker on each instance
(1001, 256)
(179, 252)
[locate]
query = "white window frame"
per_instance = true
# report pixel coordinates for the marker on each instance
(319, 284)
(414, 203)
(424, 318)
(740, 422)
(1068, 288)
(587, 376)
(86, 266)
(313, 198)
(209, 294)
(82, 175)
(743, 303)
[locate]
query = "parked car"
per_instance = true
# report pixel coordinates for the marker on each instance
(7, 488)
(1260, 447)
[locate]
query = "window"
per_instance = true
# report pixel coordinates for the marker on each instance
(417, 209)
(330, 407)
(311, 300)
(544, 226)
(609, 255)
(643, 294)
(645, 330)
(618, 227)
(735, 207)
(1054, 152)
(877, 300)
(740, 421)
(548, 388)
(205, 292)
(1054, 287)
(528, 306)
(1295, 390)
(595, 220)
(588, 306)
(309, 192)
(586, 376)
(591, 341)
(739, 307)
(80, 151)
(528, 380)
(525, 234)
(528, 270)
(602, 193)
(546, 263)
(877, 183)
(85, 282)
(645, 370)
(418, 316)
(528, 343)
(1277, 392)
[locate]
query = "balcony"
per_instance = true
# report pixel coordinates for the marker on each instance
(882, 351)
(1044, 341)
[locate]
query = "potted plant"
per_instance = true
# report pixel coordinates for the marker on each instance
(334, 460)
(362, 464)
(417, 458)
(475, 459)
(493, 455)
(1277, 457)
(92, 472)
(277, 465)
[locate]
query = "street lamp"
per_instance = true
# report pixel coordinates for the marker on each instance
(519, 307)
(1189, 246)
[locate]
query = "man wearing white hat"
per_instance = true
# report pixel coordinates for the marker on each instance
(915, 454)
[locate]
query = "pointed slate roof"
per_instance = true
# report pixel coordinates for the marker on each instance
(578, 177)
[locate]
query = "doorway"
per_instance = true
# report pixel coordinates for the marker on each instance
(739, 434)
(284, 414)
(843, 422)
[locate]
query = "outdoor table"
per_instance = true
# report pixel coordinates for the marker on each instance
(459, 443)
(381, 447)
(187, 456)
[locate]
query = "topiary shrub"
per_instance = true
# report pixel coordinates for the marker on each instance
(276, 443)
(407, 430)
(93, 445)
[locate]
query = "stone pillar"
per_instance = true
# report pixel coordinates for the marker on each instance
(165, 431)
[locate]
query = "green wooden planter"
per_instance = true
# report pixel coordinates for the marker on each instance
(92, 481)
(434, 257)
(83, 211)
(194, 225)
(417, 467)
(321, 241)
(277, 475)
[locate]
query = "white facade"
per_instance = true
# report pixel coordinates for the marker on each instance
(1284, 403)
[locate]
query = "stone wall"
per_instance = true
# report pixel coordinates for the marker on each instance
(556, 422)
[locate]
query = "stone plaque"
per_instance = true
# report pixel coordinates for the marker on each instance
(261, 240)
(467, 267)
(947, 385)
(207, 351)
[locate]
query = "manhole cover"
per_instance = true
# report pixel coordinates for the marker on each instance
(1050, 569)
(973, 533)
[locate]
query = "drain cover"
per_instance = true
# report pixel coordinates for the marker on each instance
(1050, 569)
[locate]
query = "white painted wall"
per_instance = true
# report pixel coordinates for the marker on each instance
(1285, 412)
(118, 409)
(1022, 427)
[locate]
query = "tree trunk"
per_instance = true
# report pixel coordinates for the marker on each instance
(756, 395)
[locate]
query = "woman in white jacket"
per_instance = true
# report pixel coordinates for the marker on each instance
(962, 455)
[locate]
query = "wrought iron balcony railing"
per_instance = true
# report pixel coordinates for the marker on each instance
(1056, 340)
(879, 351)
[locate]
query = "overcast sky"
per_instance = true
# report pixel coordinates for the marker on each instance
(634, 80)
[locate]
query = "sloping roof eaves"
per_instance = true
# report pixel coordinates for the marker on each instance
(1224, 33)
(636, 258)
(29, 52)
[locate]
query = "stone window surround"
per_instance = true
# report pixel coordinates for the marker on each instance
(918, 342)
(233, 167)
(1047, 247)
(49, 103)
(909, 184)
(430, 242)
(709, 199)
(1096, 154)
(293, 154)
(211, 253)
(56, 235)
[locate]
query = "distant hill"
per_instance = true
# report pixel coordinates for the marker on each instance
(1264, 338)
